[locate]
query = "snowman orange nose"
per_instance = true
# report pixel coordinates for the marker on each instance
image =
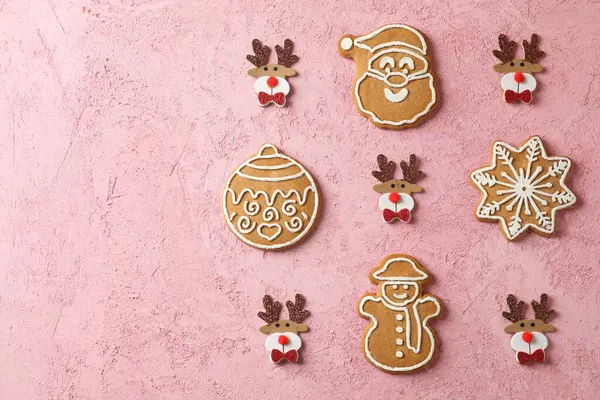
(519, 77)
(272, 81)
(394, 197)
(283, 339)
(527, 337)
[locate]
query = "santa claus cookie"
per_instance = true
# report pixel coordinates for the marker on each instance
(394, 84)
(523, 188)
(529, 340)
(270, 201)
(399, 339)
(272, 86)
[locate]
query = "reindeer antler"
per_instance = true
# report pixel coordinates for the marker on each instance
(507, 49)
(284, 55)
(272, 308)
(409, 171)
(386, 169)
(295, 310)
(261, 54)
(532, 54)
(541, 309)
(516, 309)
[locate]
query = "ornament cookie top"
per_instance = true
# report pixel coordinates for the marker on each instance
(399, 339)
(394, 84)
(396, 201)
(529, 340)
(271, 87)
(523, 188)
(270, 201)
(518, 82)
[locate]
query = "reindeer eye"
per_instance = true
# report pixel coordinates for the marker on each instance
(532, 324)
(274, 68)
(403, 186)
(522, 325)
(522, 64)
(277, 325)
(512, 64)
(287, 324)
(393, 185)
(266, 68)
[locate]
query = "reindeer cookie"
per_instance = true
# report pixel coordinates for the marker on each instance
(283, 341)
(271, 87)
(399, 339)
(529, 340)
(396, 201)
(523, 188)
(394, 84)
(518, 82)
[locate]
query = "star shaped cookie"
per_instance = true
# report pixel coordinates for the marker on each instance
(523, 188)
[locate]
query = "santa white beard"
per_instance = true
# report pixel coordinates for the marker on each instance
(272, 342)
(508, 83)
(261, 86)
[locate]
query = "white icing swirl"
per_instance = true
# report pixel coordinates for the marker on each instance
(251, 208)
(245, 225)
(270, 214)
(294, 225)
(288, 208)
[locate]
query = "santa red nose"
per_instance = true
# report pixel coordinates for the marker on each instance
(527, 337)
(394, 197)
(272, 82)
(283, 339)
(519, 77)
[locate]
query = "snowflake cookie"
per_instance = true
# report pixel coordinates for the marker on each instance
(523, 188)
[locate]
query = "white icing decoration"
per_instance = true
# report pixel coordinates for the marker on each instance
(288, 207)
(269, 226)
(270, 199)
(399, 342)
(539, 341)
(358, 42)
(377, 274)
(244, 225)
(272, 342)
(508, 83)
(294, 225)
(261, 86)
(346, 43)
(270, 214)
(252, 208)
(232, 216)
(407, 61)
(272, 167)
(405, 287)
(421, 326)
(271, 178)
(403, 297)
(387, 60)
(398, 97)
(304, 215)
(399, 317)
(523, 189)
(399, 354)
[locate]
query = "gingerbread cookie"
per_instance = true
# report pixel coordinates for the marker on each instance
(272, 87)
(394, 84)
(523, 188)
(271, 201)
(529, 341)
(396, 201)
(518, 82)
(399, 340)
(283, 342)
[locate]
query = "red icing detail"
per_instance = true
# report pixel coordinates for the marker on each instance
(283, 339)
(527, 337)
(394, 197)
(272, 81)
(519, 77)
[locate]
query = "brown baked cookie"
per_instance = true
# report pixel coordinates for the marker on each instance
(271, 201)
(398, 339)
(394, 84)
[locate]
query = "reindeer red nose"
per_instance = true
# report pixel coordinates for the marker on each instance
(519, 77)
(394, 197)
(527, 337)
(272, 82)
(282, 339)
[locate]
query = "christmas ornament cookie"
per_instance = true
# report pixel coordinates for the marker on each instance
(529, 340)
(394, 86)
(270, 201)
(272, 87)
(398, 339)
(396, 201)
(523, 188)
(518, 82)
(283, 342)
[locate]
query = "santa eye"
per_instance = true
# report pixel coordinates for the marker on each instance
(387, 61)
(406, 62)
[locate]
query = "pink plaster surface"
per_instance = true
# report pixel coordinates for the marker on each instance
(122, 119)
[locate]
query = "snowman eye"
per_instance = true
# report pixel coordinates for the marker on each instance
(395, 287)
(405, 287)
(406, 61)
(387, 61)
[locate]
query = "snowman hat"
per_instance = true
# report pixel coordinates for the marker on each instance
(399, 267)
(394, 35)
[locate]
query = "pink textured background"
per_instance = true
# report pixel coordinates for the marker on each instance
(120, 122)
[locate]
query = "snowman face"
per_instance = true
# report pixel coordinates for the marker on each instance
(400, 293)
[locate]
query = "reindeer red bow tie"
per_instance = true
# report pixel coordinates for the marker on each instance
(403, 215)
(537, 356)
(510, 96)
(265, 98)
(291, 356)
